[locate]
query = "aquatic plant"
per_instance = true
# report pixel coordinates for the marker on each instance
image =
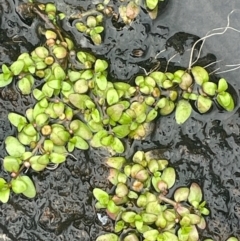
(140, 206)
(78, 107)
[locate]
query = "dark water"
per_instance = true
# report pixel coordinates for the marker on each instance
(206, 149)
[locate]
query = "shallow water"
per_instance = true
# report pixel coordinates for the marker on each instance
(205, 149)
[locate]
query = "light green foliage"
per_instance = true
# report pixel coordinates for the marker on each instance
(92, 28)
(145, 190)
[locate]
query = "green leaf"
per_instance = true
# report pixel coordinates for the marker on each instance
(35, 165)
(14, 147)
(222, 85)
(231, 239)
(47, 91)
(226, 101)
(37, 110)
(4, 195)
(7, 76)
(4, 81)
(4, 191)
(115, 111)
(94, 126)
(107, 237)
(101, 196)
(151, 235)
(139, 225)
(183, 111)
(168, 108)
(17, 67)
(25, 139)
(152, 114)
(107, 141)
(169, 176)
(96, 115)
(96, 140)
(200, 75)
(112, 96)
(151, 4)
(117, 145)
(112, 207)
(181, 194)
(38, 94)
(57, 158)
(128, 216)
(115, 162)
(195, 194)
(74, 75)
(153, 208)
(204, 103)
(79, 100)
(193, 235)
(11, 164)
(44, 159)
(41, 119)
(100, 65)
(25, 84)
(170, 236)
(149, 218)
(121, 86)
(30, 192)
(79, 128)
(87, 74)
(59, 73)
(101, 82)
(125, 119)
(41, 52)
(98, 29)
(121, 131)
(209, 88)
(55, 84)
(85, 57)
(70, 146)
(155, 181)
(18, 186)
(5, 69)
(119, 226)
(17, 120)
(81, 86)
(79, 143)
(29, 130)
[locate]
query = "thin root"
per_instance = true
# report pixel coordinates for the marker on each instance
(210, 35)
(159, 53)
(170, 60)
(206, 66)
(214, 71)
(52, 166)
(229, 70)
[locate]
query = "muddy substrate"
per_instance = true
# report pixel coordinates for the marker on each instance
(204, 150)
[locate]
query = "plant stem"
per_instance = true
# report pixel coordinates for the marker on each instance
(48, 22)
(167, 200)
(82, 15)
(33, 152)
